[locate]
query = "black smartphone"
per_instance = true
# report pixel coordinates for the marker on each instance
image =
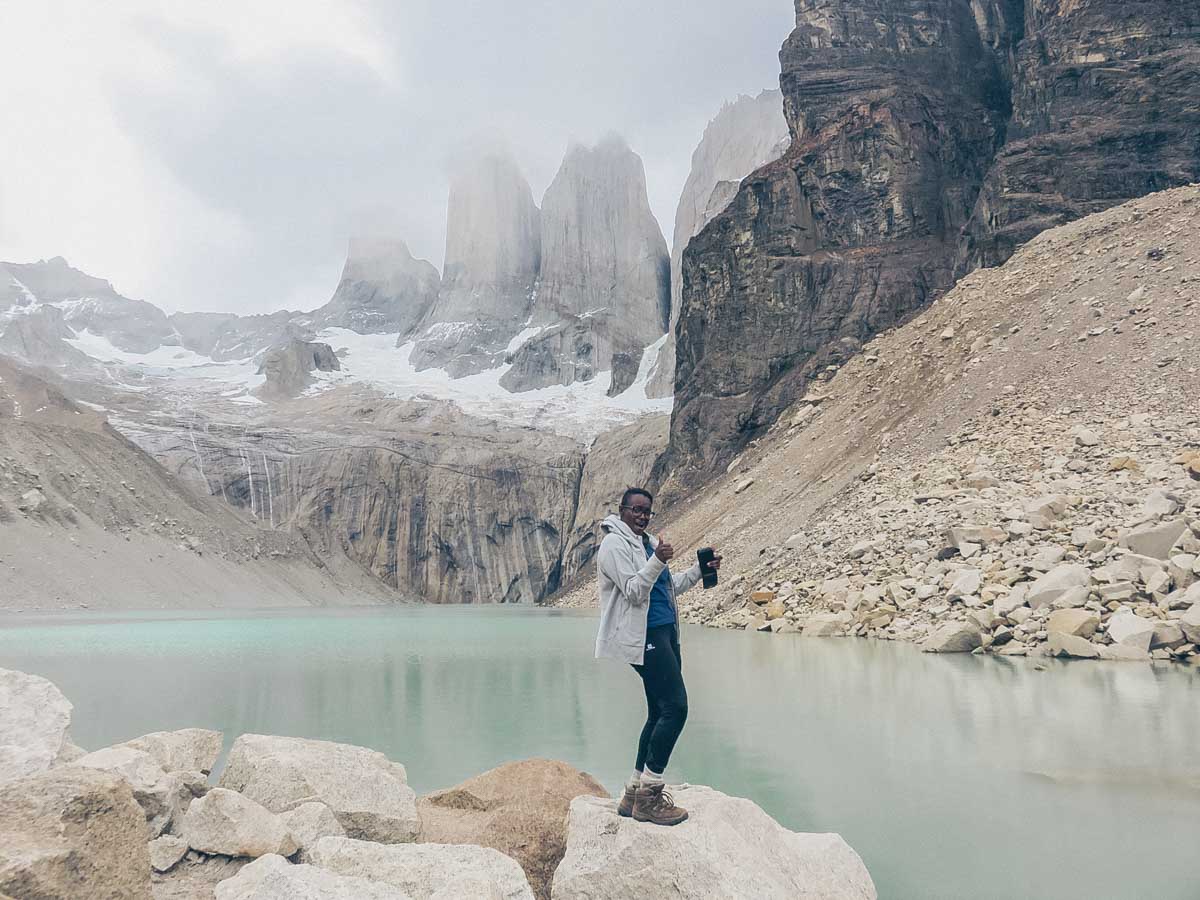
(705, 555)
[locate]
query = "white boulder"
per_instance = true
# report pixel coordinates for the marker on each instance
(272, 877)
(1052, 585)
(728, 849)
(308, 823)
(163, 796)
(367, 792)
(166, 851)
(35, 719)
(953, 637)
(423, 870)
(1155, 541)
(1190, 623)
(1131, 630)
(185, 750)
(225, 822)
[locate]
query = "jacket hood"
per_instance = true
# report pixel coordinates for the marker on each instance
(612, 524)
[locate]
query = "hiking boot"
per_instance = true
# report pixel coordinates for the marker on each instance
(625, 807)
(653, 804)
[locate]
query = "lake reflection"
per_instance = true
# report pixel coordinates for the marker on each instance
(952, 776)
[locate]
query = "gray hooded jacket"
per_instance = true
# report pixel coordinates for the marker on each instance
(625, 580)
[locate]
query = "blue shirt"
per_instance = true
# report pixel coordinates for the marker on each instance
(661, 612)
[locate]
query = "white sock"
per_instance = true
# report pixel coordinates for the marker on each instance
(649, 776)
(635, 779)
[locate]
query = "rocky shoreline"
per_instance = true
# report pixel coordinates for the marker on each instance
(297, 818)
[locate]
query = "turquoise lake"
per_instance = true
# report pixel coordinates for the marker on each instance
(952, 776)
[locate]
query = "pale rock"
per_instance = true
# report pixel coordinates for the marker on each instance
(1082, 535)
(225, 822)
(1155, 541)
(421, 870)
(1189, 622)
(1159, 504)
(1182, 568)
(824, 625)
(1131, 630)
(1084, 437)
(72, 834)
(165, 851)
(1121, 590)
(35, 719)
(1122, 653)
(953, 637)
(185, 750)
(1071, 598)
(1005, 604)
(728, 849)
(1060, 644)
(1053, 584)
(1013, 649)
(272, 877)
(966, 584)
(1047, 558)
(1019, 615)
(1167, 635)
(162, 795)
(367, 792)
(1079, 622)
(308, 823)
(980, 535)
(980, 480)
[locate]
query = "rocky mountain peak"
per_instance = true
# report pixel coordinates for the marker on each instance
(493, 251)
(747, 133)
(384, 289)
(604, 263)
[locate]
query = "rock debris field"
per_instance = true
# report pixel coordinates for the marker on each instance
(1015, 471)
(292, 818)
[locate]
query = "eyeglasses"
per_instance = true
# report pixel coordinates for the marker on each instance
(640, 511)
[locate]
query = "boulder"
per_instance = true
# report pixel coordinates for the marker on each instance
(953, 637)
(1048, 587)
(367, 792)
(1132, 630)
(70, 834)
(185, 750)
(983, 535)
(166, 851)
(272, 877)
(423, 870)
(1155, 541)
(1061, 644)
(163, 796)
(308, 823)
(225, 822)
(519, 808)
(1121, 653)
(1079, 622)
(1168, 636)
(35, 719)
(966, 584)
(1189, 622)
(824, 625)
(728, 848)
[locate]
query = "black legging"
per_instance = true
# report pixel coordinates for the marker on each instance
(666, 698)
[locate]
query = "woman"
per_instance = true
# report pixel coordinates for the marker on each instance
(639, 624)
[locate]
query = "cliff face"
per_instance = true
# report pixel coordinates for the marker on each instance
(1106, 108)
(895, 108)
(493, 250)
(744, 135)
(605, 269)
(927, 138)
(431, 503)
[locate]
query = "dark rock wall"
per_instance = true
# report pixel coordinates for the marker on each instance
(929, 137)
(895, 107)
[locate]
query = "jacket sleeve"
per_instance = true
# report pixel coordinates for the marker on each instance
(634, 584)
(687, 580)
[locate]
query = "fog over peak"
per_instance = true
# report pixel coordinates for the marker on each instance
(220, 156)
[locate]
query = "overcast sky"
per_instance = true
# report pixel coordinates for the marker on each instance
(217, 155)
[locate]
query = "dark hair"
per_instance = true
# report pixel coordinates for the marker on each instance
(635, 492)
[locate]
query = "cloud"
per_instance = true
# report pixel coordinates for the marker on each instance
(219, 155)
